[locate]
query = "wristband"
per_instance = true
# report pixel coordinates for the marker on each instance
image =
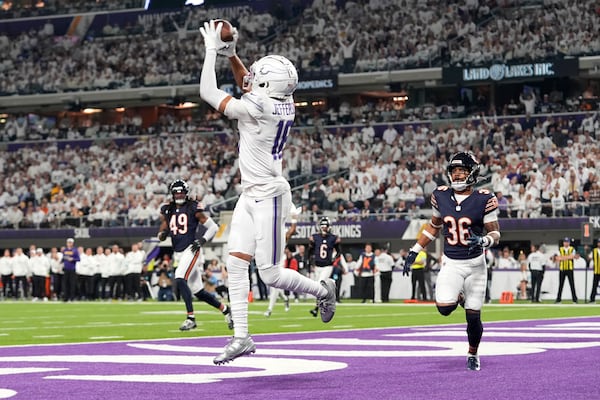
(416, 248)
(428, 235)
(490, 240)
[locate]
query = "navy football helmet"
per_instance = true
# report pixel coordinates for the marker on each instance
(179, 190)
(324, 225)
(467, 161)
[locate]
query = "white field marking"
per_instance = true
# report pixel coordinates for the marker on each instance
(178, 312)
(509, 329)
(151, 324)
(7, 393)
(105, 337)
(489, 333)
(47, 336)
(3, 334)
(28, 370)
(452, 326)
(291, 326)
(403, 348)
(168, 312)
(242, 368)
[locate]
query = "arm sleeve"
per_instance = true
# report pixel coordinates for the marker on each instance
(208, 81)
(211, 229)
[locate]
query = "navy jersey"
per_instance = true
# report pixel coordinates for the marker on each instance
(460, 221)
(323, 249)
(182, 222)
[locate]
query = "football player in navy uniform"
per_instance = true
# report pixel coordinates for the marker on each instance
(469, 222)
(180, 219)
(323, 248)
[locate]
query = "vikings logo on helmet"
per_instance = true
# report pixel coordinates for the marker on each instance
(274, 76)
(179, 190)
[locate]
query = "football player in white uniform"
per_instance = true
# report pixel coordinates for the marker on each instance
(265, 114)
(469, 220)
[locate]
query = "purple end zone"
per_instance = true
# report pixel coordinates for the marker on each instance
(546, 359)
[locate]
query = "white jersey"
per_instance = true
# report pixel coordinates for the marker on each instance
(264, 125)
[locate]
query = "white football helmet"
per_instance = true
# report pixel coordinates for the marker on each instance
(274, 76)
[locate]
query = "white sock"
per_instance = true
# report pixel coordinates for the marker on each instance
(239, 287)
(288, 279)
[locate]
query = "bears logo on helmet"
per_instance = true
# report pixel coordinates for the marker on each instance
(324, 224)
(179, 190)
(468, 162)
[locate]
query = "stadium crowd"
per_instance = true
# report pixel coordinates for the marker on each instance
(39, 8)
(390, 160)
(548, 165)
(392, 35)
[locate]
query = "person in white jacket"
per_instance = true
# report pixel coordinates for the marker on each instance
(40, 271)
(86, 268)
(116, 260)
(21, 272)
(102, 264)
(134, 263)
(6, 272)
(56, 271)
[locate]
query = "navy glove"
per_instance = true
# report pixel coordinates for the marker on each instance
(476, 241)
(197, 244)
(162, 235)
(410, 260)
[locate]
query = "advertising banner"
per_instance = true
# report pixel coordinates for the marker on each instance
(503, 72)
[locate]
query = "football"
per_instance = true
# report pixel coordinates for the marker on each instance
(226, 31)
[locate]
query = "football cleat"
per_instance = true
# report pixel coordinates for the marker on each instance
(473, 362)
(236, 347)
(267, 313)
(314, 312)
(287, 304)
(187, 325)
(327, 304)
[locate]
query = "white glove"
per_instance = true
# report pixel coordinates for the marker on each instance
(211, 34)
(228, 48)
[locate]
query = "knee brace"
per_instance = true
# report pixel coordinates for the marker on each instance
(446, 310)
(474, 327)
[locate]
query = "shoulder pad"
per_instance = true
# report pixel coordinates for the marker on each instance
(254, 103)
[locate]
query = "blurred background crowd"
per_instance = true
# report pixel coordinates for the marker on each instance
(351, 157)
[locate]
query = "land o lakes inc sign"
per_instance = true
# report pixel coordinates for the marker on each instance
(505, 71)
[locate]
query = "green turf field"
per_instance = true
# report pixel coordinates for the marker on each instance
(26, 322)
